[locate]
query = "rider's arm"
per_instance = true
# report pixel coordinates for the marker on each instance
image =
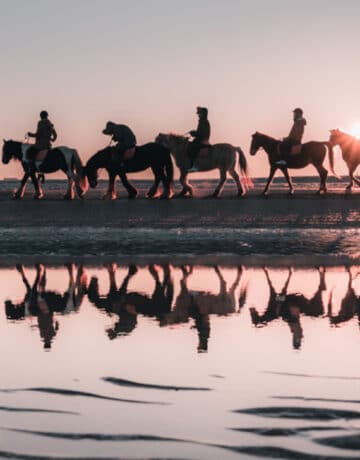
(193, 133)
(53, 135)
(31, 134)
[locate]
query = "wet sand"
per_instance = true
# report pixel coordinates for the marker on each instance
(303, 210)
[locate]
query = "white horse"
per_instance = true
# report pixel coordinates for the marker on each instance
(217, 156)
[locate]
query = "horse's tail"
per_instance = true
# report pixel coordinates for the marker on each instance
(80, 171)
(331, 159)
(244, 168)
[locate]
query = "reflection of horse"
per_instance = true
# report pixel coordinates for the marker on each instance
(199, 305)
(350, 149)
(219, 156)
(127, 305)
(57, 159)
(311, 153)
(289, 307)
(350, 304)
(43, 304)
(150, 155)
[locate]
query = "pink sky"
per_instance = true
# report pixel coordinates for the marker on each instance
(149, 64)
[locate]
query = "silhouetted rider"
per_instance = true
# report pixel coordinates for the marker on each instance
(201, 136)
(45, 134)
(123, 136)
(294, 138)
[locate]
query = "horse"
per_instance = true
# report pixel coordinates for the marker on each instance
(57, 159)
(218, 156)
(150, 155)
(311, 153)
(350, 149)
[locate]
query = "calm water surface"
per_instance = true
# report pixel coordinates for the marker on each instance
(185, 362)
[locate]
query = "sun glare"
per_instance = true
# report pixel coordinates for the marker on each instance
(355, 129)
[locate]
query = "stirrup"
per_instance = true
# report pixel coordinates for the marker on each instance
(192, 169)
(281, 163)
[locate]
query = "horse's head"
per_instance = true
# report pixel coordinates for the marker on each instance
(99, 160)
(9, 150)
(336, 136)
(256, 143)
(162, 139)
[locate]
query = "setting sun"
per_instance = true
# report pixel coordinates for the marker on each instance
(355, 129)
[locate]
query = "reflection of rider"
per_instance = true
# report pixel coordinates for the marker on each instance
(124, 137)
(201, 136)
(45, 134)
(294, 138)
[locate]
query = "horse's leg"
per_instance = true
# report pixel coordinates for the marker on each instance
(219, 188)
(154, 188)
(187, 188)
(21, 190)
(38, 190)
(237, 181)
(323, 175)
(111, 193)
(132, 192)
(70, 195)
(285, 171)
(270, 178)
(351, 176)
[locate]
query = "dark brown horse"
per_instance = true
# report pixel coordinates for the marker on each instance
(311, 153)
(350, 149)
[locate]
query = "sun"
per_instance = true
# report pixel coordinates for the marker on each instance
(355, 129)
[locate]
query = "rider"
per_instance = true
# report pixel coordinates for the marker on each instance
(294, 137)
(124, 137)
(201, 136)
(44, 136)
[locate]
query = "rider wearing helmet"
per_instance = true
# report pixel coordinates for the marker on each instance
(45, 134)
(294, 138)
(124, 137)
(201, 136)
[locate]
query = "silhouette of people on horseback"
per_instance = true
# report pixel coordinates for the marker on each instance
(294, 138)
(44, 136)
(125, 141)
(201, 136)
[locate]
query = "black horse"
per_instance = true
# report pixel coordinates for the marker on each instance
(151, 155)
(311, 153)
(58, 159)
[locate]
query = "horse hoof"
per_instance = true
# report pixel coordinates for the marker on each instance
(38, 197)
(17, 196)
(68, 197)
(132, 196)
(291, 193)
(241, 194)
(109, 196)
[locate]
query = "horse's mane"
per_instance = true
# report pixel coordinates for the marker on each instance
(340, 132)
(267, 136)
(177, 136)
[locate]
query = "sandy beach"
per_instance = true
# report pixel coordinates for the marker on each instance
(303, 210)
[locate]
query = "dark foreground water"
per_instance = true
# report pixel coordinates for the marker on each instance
(179, 361)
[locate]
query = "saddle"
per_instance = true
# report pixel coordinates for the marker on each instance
(296, 149)
(129, 153)
(204, 150)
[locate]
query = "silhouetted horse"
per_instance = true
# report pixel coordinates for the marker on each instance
(43, 303)
(150, 155)
(199, 305)
(289, 307)
(311, 153)
(350, 149)
(57, 159)
(127, 305)
(350, 305)
(218, 156)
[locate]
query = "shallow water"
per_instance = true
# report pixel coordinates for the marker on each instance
(185, 362)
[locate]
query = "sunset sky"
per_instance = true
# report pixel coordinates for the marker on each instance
(149, 63)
